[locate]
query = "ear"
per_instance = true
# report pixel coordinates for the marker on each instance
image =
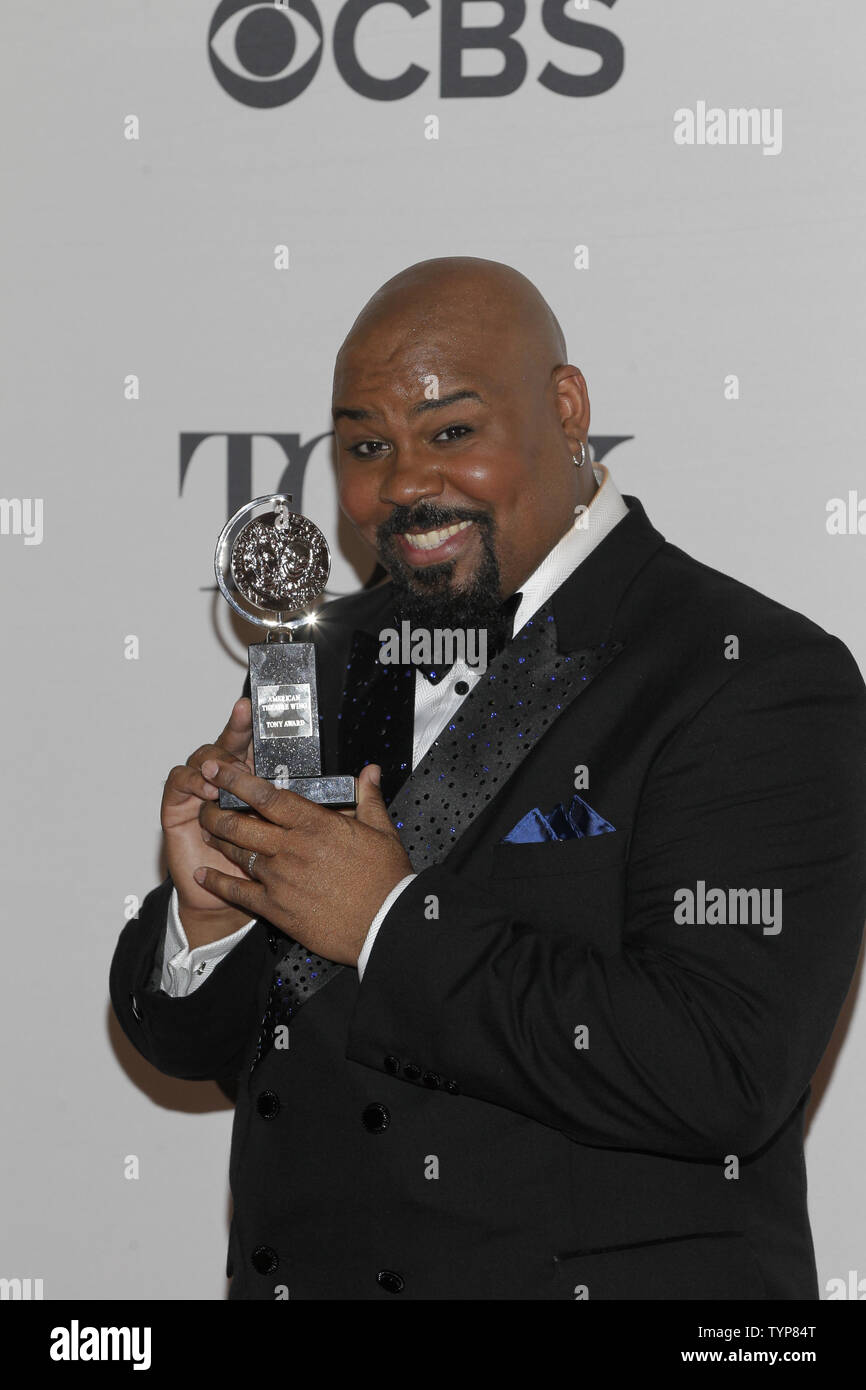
(572, 399)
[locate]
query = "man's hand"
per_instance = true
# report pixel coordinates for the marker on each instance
(319, 876)
(204, 916)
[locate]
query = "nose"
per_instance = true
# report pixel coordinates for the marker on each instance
(410, 478)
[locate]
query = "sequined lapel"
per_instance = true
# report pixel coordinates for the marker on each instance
(522, 693)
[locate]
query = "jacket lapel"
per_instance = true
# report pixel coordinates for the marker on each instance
(550, 662)
(522, 693)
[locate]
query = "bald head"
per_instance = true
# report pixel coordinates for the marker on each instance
(462, 297)
(457, 417)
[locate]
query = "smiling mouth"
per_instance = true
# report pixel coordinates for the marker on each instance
(431, 540)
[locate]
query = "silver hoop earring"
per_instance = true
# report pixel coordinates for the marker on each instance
(579, 462)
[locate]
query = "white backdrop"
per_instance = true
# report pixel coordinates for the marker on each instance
(154, 257)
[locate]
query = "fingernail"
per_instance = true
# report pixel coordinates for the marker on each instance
(199, 875)
(206, 837)
(210, 768)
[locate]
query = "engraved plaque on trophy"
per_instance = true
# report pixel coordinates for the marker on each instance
(270, 564)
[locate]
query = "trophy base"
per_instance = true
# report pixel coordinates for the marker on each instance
(326, 791)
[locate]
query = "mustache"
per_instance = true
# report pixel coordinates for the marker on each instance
(428, 517)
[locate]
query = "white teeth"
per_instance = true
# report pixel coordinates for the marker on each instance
(428, 540)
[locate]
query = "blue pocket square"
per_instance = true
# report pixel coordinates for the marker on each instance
(574, 822)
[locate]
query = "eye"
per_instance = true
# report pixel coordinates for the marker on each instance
(464, 430)
(364, 443)
(372, 448)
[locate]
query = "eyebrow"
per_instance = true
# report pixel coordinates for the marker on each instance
(348, 413)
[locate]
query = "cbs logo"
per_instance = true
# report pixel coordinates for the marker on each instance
(266, 54)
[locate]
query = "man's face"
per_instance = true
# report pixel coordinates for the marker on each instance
(458, 473)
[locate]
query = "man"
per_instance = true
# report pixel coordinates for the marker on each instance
(539, 1020)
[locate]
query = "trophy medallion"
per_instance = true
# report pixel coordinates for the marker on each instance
(271, 563)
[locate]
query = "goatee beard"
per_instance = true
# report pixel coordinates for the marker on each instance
(426, 596)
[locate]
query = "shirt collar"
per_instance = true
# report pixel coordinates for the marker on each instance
(591, 524)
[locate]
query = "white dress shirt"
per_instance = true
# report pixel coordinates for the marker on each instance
(184, 970)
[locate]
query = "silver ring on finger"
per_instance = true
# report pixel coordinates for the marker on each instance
(251, 862)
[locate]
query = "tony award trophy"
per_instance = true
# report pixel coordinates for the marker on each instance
(270, 564)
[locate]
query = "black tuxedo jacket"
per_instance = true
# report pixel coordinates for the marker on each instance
(546, 1086)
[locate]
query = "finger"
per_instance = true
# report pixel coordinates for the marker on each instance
(371, 808)
(210, 750)
(184, 782)
(236, 855)
(235, 737)
(242, 828)
(196, 784)
(243, 893)
(283, 808)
